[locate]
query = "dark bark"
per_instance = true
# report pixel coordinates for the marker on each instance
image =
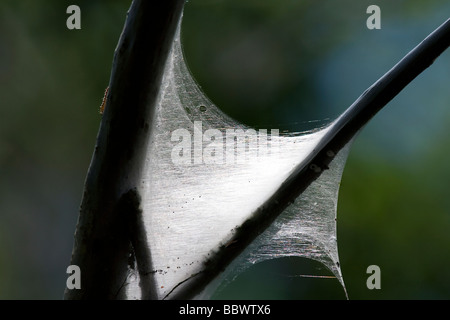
(102, 242)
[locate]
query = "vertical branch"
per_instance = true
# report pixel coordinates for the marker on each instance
(102, 243)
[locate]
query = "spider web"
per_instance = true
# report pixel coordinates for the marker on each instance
(205, 174)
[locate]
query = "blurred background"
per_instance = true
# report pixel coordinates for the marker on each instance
(287, 64)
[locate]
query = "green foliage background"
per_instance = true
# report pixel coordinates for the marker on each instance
(271, 64)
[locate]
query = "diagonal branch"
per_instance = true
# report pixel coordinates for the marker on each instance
(342, 131)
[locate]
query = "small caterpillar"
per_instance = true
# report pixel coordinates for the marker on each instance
(103, 105)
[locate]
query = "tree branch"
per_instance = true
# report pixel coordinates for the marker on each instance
(102, 244)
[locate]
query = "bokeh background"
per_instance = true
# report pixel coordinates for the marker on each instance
(287, 64)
